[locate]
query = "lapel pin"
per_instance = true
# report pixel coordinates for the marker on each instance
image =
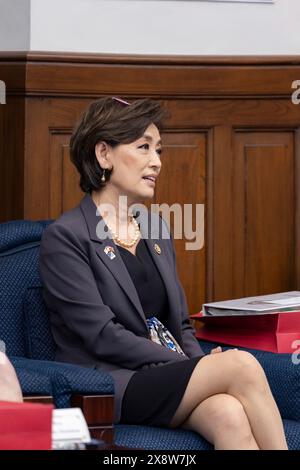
(157, 248)
(110, 252)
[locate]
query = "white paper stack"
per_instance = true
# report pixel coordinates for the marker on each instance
(69, 429)
(260, 305)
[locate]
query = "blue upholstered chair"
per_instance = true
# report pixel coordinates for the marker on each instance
(25, 328)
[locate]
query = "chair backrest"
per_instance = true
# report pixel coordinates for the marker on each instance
(24, 320)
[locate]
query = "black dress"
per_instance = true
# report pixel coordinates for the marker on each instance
(152, 396)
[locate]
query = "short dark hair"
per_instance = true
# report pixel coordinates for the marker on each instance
(114, 122)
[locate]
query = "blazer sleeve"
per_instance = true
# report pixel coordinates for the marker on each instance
(72, 293)
(191, 345)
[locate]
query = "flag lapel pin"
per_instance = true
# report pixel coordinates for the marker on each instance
(110, 252)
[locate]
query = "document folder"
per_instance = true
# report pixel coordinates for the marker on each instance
(274, 332)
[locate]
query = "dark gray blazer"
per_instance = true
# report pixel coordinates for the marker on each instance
(96, 315)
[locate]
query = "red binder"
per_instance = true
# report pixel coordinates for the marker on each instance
(275, 332)
(25, 426)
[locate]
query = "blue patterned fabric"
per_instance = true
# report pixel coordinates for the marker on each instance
(33, 383)
(292, 434)
(39, 340)
(19, 251)
(16, 274)
(68, 379)
(154, 438)
(283, 377)
(20, 232)
(160, 334)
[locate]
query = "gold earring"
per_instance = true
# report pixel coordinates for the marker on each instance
(103, 177)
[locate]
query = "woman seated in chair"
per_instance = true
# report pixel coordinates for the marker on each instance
(10, 389)
(116, 302)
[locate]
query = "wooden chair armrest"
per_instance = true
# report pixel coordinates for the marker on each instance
(98, 411)
(39, 399)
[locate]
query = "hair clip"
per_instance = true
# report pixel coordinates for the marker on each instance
(120, 100)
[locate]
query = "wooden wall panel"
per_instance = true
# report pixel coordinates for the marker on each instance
(182, 183)
(12, 135)
(64, 190)
(232, 142)
(49, 126)
(264, 213)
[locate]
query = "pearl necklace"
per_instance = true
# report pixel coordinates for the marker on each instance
(123, 243)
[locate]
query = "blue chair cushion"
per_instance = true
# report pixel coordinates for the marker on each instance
(155, 438)
(292, 434)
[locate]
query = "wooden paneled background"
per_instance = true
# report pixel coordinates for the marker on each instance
(231, 143)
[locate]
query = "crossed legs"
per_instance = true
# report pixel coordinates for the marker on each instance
(229, 402)
(9, 385)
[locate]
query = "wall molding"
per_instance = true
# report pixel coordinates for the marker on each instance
(172, 77)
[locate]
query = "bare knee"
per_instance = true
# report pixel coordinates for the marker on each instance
(221, 419)
(247, 370)
(228, 415)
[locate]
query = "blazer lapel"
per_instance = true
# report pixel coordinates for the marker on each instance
(118, 268)
(116, 264)
(119, 271)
